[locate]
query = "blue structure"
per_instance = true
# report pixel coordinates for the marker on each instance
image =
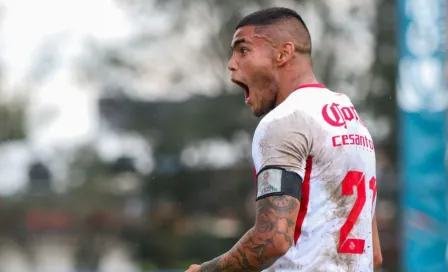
(422, 100)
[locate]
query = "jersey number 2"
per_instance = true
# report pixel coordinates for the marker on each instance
(354, 178)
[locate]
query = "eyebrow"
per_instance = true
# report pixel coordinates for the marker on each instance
(238, 42)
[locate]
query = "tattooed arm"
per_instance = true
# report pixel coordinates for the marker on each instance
(268, 240)
(280, 149)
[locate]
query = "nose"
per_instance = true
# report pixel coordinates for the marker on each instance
(232, 65)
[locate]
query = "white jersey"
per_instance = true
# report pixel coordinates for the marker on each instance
(318, 134)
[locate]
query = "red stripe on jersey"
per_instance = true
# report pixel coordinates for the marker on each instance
(305, 198)
(313, 85)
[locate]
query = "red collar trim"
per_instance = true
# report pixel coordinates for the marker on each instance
(313, 85)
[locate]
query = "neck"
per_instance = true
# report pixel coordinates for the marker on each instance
(293, 79)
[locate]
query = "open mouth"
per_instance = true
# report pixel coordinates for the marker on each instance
(244, 87)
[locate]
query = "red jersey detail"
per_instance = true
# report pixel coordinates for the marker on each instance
(305, 198)
(312, 85)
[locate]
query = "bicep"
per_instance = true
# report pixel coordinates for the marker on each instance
(276, 218)
(278, 201)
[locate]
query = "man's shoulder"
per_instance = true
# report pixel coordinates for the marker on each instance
(283, 121)
(301, 104)
(292, 106)
(278, 118)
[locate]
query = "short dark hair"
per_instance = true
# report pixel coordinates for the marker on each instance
(271, 16)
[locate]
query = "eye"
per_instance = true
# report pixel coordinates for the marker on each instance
(244, 50)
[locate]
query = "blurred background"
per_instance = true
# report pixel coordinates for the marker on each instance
(124, 146)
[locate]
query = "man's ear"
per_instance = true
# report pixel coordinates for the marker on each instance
(285, 53)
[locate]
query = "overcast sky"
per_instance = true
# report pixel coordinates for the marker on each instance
(61, 112)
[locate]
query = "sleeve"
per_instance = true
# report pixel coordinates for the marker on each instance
(282, 143)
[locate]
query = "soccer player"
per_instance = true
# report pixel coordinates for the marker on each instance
(314, 159)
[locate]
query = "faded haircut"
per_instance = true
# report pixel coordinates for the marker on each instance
(277, 15)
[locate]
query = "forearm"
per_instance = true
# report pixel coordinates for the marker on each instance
(252, 253)
(377, 256)
(267, 241)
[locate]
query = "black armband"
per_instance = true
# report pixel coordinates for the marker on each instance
(272, 181)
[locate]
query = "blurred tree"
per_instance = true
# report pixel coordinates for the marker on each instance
(381, 99)
(39, 178)
(13, 209)
(96, 207)
(12, 120)
(381, 102)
